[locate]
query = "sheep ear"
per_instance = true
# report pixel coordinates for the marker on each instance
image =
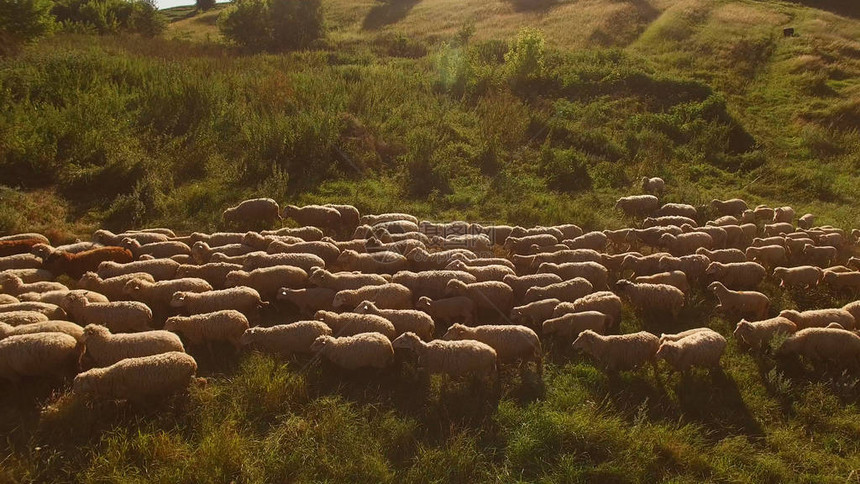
(182, 297)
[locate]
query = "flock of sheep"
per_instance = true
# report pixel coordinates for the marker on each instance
(461, 296)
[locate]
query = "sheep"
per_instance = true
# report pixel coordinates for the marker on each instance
(591, 240)
(854, 309)
(481, 262)
(285, 339)
(719, 235)
(431, 283)
(387, 217)
(677, 210)
(396, 226)
(734, 206)
(783, 215)
(493, 296)
(522, 245)
(724, 256)
(667, 220)
(768, 255)
(106, 237)
(377, 263)
(105, 349)
(326, 251)
(819, 256)
(373, 245)
(746, 303)
(158, 250)
(215, 273)
(159, 269)
(30, 275)
(454, 358)
(7, 299)
(449, 310)
(421, 260)
(388, 296)
(268, 280)
(511, 342)
(119, 317)
(365, 350)
(339, 281)
(758, 334)
(138, 379)
(52, 311)
(802, 276)
(672, 278)
(309, 300)
(738, 275)
(475, 243)
(76, 265)
(447, 229)
(66, 327)
(30, 235)
(38, 354)
(20, 261)
(642, 265)
(58, 297)
(618, 352)
(604, 301)
(595, 273)
(778, 228)
(520, 232)
(304, 261)
(482, 273)
(568, 231)
(619, 239)
(314, 215)
(258, 211)
(18, 246)
(829, 345)
(497, 233)
(683, 334)
(243, 299)
(308, 233)
(521, 284)
(201, 252)
(831, 240)
(686, 244)
(531, 263)
(158, 230)
(348, 324)
(763, 213)
(19, 318)
(13, 285)
(113, 287)
(652, 297)
(842, 280)
(702, 349)
(569, 290)
(534, 313)
(654, 185)
(350, 217)
(819, 318)
(404, 320)
(569, 326)
(226, 325)
(157, 295)
(638, 205)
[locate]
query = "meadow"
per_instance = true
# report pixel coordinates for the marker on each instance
(425, 107)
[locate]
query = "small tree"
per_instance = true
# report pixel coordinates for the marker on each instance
(204, 5)
(273, 24)
(524, 59)
(23, 21)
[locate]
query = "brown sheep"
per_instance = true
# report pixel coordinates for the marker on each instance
(76, 265)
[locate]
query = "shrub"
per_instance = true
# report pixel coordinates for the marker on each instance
(525, 58)
(273, 24)
(455, 70)
(564, 170)
(110, 16)
(23, 20)
(204, 5)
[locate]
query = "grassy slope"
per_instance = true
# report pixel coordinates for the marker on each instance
(263, 421)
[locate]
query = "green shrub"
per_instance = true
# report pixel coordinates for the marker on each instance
(110, 16)
(23, 21)
(525, 58)
(204, 5)
(455, 72)
(275, 25)
(564, 170)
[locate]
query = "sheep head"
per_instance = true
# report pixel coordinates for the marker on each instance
(458, 331)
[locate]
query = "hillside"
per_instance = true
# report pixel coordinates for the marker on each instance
(412, 106)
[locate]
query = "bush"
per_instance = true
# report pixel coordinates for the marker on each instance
(525, 58)
(273, 24)
(564, 170)
(204, 5)
(23, 21)
(110, 16)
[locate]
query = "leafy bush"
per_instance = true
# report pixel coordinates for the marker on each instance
(110, 16)
(23, 20)
(273, 24)
(525, 58)
(564, 170)
(204, 5)
(455, 70)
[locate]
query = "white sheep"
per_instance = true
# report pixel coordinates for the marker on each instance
(66, 327)
(201, 252)
(719, 235)
(7, 299)
(285, 339)
(31, 275)
(854, 309)
(511, 342)
(106, 237)
(38, 354)
(672, 278)
(677, 210)
(778, 228)
(783, 215)
(763, 213)
(13, 285)
(113, 287)
(776, 240)
(199, 329)
(668, 220)
(758, 334)
(493, 296)
(618, 352)
(643, 265)
(638, 205)
(819, 256)
(522, 245)
(159, 269)
(534, 313)
(591, 240)
(309, 300)
(842, 280)
(819, 318)
(138, 379)
(683, 334)
(594, 272)
(268, 280)
(654, 185)
(215, 273)
(482, 273)
(768, 255)
(251, 212)
(158, 250)
(687, 243)
(52, 311)
(365, 350)
(569, 290)
(20, 261)
(605, 302)
(373, 219)
(702, 349)
(257, 260)
(521, 284)
(243, 299)
(431, 283)
(652, 297)
(348, 324)
(119, 317)
(449, 310)
(388, 296)
(745, 303)
(830, 345)
(737, 275)
(455, 358)
(421, 260)
(105, 349)
(157, 295)
(377, 263)
(326, 251)
(734, 206)
(724, 256)
(482, 261)
(404, 320)
(314, 215)
(59, 297)
(18, 318)
(570, 325)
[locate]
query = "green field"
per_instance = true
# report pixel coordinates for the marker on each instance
(412, 107)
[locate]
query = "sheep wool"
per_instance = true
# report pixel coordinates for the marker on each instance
(798, 277)
(137, 379)
(511, 342)
(701, 349)
(285, 339)
(819, 318)
(105, 349)
(570, 325)
(746, 303)
(672, 278)
(38, 354)
(387, 296)
(227, 325)
(652, 297)
(404, 320)
(683, 334)
(493, 296)
(339, 281)
(309, 300)
(618, 352)
(449, 310)
(365, 350)
(593, 272)
(455, 358)
(569, 290)
(19, 318)
(268, 280)
(758, 334)
(534, 313)
(740, 275)
(52, 311)
(241, 298)
(830, 345)
(66, 327)
(159, 269)
(348, 324)
(119, 317)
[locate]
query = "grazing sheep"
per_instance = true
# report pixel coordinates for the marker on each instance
(638, 205)
(854, 309)
(801, 276)
(719, 235)
(339, 281)
(105, 349)
(304, 261)
(483, 261)
(138, 379)
(482, 273)
(521, 284)
(285, 339)
(683, 334)
(653, 185)
(473, 242)
(724, 256)
(520, 232)
(511, 342)
(686, 244)
(158, 250)
(819, 256)
(819, 318)
(530, 263)
(672, 278)
(226, 325)
(497, 233)
(348, 324)
(783, 215)
(431, 283)
(76, 265)
(29, 235)
(618, 352)
(534, 313)
(763, 213)
(667, 220)
(594, 272)
(22, 313)
(388, 296)
(7, 299)
(201, 252)
(522, 245)
(652, 297)
(30, 275)
(38, 354)
(745, 303)
(738, 275)
(243, 299)
(373, 245)
(376, 263)
(455, 358)
(404, 320)
(493, 296)
(215, 273)
(326, 251)
(106, 237)
(702, 349)
(734, 206)
(113, 287)
(258, 211)
(824, 345)
(605, 302)
(21, 261)
(66, 327)
(58, 298)
(768, 255)
(421, 260)
(159, 269)
(758, 334)
(268, 280)
(592, 240)
(52, 311)
(372, 219)
(619, 239)
(643, 265)
(14, 286)
(309, 300)
(842, 280)
(365, 350)
(119, 317)
(314, 215)
(350, 217)
(309, 233)
(449, 310)
(677, 210)
(569, 290)
(261, 242)
(157, 295)
(761, 242)
(778, 229)
(832, 240)
(570, 325)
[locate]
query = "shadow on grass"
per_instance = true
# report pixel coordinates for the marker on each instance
(387, 13)
(716, 403)
(533, 5)
(845, 8)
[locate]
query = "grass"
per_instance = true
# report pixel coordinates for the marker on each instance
(412, 107)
